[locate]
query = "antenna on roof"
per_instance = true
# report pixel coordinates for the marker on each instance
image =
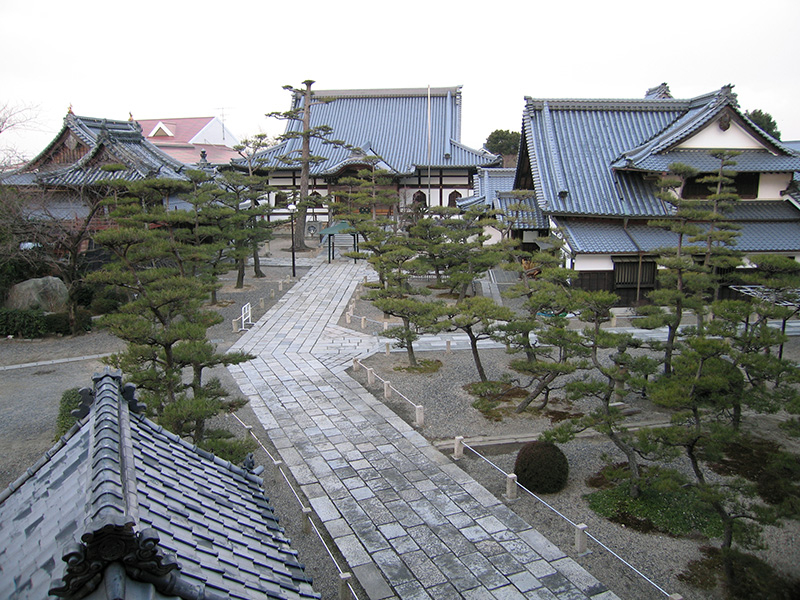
(221, 110)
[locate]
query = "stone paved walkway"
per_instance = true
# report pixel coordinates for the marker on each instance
(410, 523)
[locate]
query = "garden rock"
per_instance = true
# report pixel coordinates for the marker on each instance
(46, 293)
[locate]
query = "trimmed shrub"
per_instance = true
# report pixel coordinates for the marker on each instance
(22, 323)
(70, 400)
(541, 467)
(57, 323)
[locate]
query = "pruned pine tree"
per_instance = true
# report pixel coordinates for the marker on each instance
(242, 220)
(701, 392)
(158, 265)
(608, 382)
(479, 317)
(301, 116)
(249, 149)
(558, 350)
(417, 315)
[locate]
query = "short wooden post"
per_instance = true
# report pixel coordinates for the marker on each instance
(511, 486)
(280, 286)
(272, 294)
(233, 323)
(385, 325)
(370, 376)
(581, 540)
(261, 302)
(387, 390)
(344, 586)
(363, 322)
(388, 351)
(458, 448)
(356, 364)
(447, 350)
(347, 317)
(306, 519)
(420, 416)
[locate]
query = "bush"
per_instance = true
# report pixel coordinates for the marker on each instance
(70, 400)
(107, 300)
(57, 323)
(541, 467)
(22, 323)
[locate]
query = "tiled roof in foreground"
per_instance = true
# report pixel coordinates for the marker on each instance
(121, 498)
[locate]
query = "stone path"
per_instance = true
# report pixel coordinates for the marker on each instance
(409, 522)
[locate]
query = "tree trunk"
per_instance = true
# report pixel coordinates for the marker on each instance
(257, 272)
(473, 342)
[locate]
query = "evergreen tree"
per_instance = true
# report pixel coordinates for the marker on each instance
(764, 121)
(305, 133)
(478, 317)
(161, 269)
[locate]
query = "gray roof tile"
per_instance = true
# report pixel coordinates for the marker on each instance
(210, 515)
(586, 157)
(391, 124)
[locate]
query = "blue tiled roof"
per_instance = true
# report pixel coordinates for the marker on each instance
(391, 124)
(119, 480)
(754, 161)
(586, 157)
(486, 184)
(108, 141)
(764, 227)
(523, 213)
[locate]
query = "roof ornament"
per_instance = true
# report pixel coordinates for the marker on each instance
(69, 110)
(660, 92)
(139, 554)
(249, 465)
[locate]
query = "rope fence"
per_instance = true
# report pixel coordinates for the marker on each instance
(389, 390)
(346, 591)
(581, 534)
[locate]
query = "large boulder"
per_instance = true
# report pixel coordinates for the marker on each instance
(47, 293)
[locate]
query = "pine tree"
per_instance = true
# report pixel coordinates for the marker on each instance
(158, 264)
(305, 133)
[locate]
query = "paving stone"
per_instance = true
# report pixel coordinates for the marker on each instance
(387, 496)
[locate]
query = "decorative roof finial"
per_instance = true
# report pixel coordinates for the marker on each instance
(69, 110)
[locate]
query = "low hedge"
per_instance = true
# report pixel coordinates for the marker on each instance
(36, 324)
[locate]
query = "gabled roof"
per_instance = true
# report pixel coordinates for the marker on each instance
(85, 145)
(586, 157)
(390, 123)
(121, 499)
(486, 184)
(185, 138)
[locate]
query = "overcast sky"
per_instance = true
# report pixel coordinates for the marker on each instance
(175, 58)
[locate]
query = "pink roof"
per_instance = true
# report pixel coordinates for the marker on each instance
(183, 129)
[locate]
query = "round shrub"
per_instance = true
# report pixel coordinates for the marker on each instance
(541, 467)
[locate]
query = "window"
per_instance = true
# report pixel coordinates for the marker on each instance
(420, 199)
(746, 185)
(626, 273)
(454, 196)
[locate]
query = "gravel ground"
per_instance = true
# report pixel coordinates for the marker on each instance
(448, 413)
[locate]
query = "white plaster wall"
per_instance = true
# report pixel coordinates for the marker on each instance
(593, 262)
(770, 185)
(713, 137)
(215, 133)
